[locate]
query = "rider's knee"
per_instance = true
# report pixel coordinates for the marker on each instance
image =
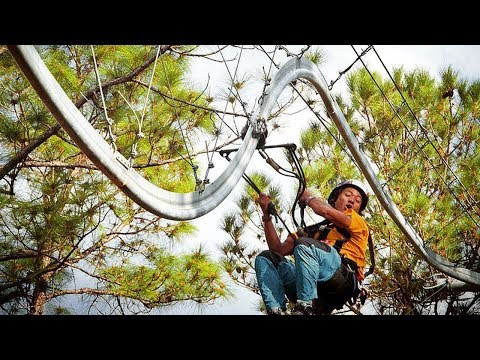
(307, 242)
(270, 255)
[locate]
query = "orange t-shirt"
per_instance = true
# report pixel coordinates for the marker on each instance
(355, 247)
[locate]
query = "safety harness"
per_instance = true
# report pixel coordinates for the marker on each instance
(343, 286)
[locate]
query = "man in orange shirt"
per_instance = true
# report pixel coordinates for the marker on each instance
(329, 256)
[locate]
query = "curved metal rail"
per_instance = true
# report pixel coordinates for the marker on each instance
(192, 205)
(170, 205)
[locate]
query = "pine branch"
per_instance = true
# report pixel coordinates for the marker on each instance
(4, 298)
(56, 164)
(61, 164)
(20, 156)
(104, 240)
(209, 109)
(206, 55)
(24, 254)
(89, 291)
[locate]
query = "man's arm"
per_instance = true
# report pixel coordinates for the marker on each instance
(273, 241)
(325, 210)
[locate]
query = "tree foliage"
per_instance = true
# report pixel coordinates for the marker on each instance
(65, 230)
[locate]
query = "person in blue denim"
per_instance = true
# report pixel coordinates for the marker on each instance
(329, 256)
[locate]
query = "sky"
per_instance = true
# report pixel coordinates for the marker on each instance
(433, 58)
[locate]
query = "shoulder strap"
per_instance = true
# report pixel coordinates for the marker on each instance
(314, 231)
(372, 255)
(339, 243)
(320, 231)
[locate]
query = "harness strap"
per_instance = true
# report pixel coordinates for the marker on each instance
(339, 289)
(320, 231)
(339, 243)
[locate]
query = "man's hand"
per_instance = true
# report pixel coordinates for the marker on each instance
(305, 195)
(263, 201)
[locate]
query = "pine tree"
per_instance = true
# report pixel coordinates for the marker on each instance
(65, 230)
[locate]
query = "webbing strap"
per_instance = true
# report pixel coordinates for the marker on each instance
(320, 231)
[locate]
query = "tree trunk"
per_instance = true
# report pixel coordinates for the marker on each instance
(39, 296)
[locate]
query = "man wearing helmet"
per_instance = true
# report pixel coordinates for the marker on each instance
(329, 256)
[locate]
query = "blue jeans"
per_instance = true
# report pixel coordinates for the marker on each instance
(279, 277)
